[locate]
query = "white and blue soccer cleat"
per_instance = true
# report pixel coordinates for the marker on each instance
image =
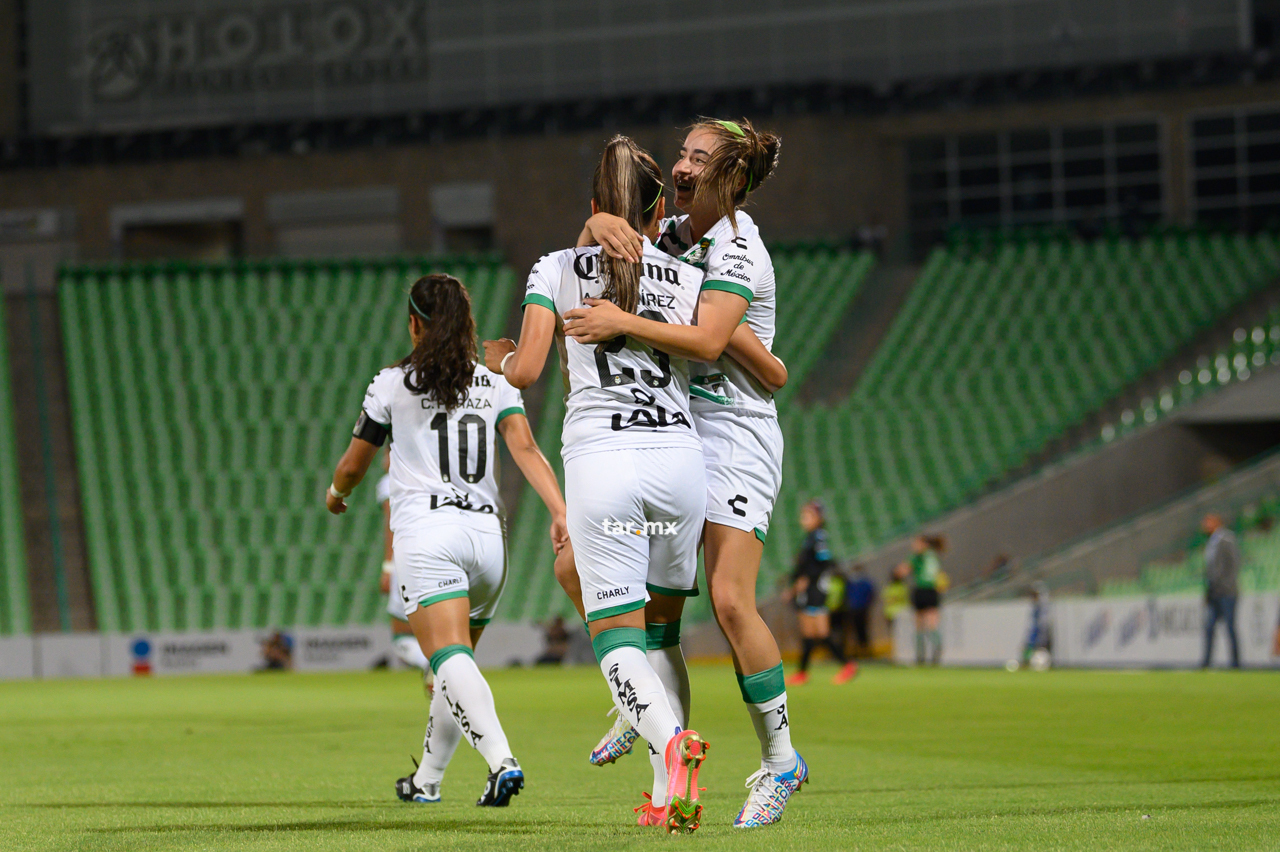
(616, 743)
(502, 785)
(769, 794)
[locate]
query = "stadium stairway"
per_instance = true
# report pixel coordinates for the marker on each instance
(49, 504)
(1133, 556)
(209, 404)
(998, 350)
(15, 614)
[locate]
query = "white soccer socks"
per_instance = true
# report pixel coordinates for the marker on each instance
(438, 746)
(468, 703)
(639, 694)
(765, 694)
(662, 650)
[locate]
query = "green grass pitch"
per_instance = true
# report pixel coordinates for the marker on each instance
(900, 759)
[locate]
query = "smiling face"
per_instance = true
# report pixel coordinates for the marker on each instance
(697, 149)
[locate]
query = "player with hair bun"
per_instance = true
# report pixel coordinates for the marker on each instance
(721, 164)
(450, 550)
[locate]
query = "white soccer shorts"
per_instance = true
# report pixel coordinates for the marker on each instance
(442, 561)
(744, 468)
(635, 519)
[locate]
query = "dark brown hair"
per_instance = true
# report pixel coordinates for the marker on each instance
(444, 358)
(627, 184)
(737, 167)
(936, 543)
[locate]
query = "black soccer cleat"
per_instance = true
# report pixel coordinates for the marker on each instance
(502, 785)
(408, 791)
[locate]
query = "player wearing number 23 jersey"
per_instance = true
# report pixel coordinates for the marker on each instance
(621, 386)
(628, 519)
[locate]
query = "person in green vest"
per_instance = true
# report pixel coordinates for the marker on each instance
(894, 596)
(926, 566)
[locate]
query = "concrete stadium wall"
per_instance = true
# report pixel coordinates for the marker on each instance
(1160, 631)
(838, 173)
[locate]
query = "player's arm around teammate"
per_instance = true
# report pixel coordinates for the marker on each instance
(633, 470)
(720, 164)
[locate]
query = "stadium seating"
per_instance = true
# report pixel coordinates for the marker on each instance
(1000, 347)
(15, 612)
(816, 284)
(1252, 349)
(209, 405)
(1259, 536)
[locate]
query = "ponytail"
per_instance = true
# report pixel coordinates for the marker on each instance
(443, 360)
(628, 184)
(742, 161)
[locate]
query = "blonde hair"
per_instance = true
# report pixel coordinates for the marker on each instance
(628, 184)
(742, 161)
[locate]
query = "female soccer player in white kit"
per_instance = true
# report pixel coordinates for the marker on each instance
(633, 463)
(444, 411)
(721, 163)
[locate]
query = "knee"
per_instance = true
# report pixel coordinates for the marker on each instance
(566, 572)
(732, 608)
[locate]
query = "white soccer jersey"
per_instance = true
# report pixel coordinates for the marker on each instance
(738, 264)
(444, 464)
(621, 388)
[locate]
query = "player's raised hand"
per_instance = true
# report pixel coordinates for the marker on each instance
(602, 321)
(495, 351)
(615, 236)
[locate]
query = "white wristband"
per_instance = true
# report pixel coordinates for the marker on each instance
(336, 494)
(502, 365)
(388, 565)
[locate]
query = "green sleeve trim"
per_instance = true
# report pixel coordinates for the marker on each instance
(760, 534)
(607, 641)
(762, 686)
(610, 611)
(480, 622)
(438, 658)
(672, 593)
(539, 299)
(659, 636)
(507, 412)
(703, 393)
(728, 287)
(443, 596)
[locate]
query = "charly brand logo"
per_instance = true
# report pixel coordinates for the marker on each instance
(269, 45)
(626, 693)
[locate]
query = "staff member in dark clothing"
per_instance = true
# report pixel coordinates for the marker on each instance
(1221, 568)
(809, 592)
(859, 595)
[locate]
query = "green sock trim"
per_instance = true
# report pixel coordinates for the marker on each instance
(438, 658)
(617, 637)
(762, 686)
(658, 636)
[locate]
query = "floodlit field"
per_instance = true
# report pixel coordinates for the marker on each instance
(932, 759)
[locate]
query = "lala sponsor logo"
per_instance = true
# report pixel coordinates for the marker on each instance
(141, 651)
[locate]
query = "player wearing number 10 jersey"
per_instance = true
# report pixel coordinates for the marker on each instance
(444, 412)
